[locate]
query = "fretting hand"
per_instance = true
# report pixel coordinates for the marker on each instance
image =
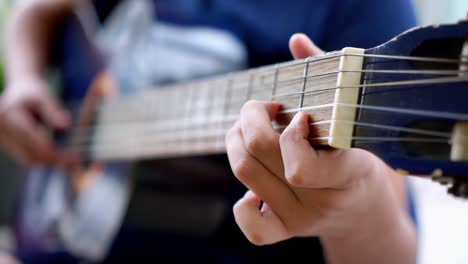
(349, 198)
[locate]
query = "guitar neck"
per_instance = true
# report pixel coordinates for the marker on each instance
(192, 118)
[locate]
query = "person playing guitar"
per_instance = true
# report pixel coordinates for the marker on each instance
(355, 203)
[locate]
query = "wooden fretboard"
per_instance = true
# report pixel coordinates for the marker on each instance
(192, 118)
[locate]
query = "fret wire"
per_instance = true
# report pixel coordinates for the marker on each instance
(311, 107)
(385, 84)
(306, 73)
(249, 87)
(336, 72)
(150, 143)
(275, 82)
(225, 109)
(188, 112)
(293, 110)
(227, 98)
(209, 148)
(326, 122)
(422, 72)
(327, 56)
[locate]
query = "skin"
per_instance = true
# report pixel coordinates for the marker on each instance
(351, 199)
(28, 110)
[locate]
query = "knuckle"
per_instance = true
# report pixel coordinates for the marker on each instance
(295, 176)
(242, 168)
(285, 137)
(251, 104)
(258, 143)
(256, 238)
(253, 143)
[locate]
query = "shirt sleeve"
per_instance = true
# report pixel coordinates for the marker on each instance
(365, 23)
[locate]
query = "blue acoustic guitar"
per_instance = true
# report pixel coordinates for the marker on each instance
(405, 101)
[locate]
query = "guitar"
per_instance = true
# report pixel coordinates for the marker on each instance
(403, 101)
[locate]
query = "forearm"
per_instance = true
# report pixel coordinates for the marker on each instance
(386, 234)
(29, 38)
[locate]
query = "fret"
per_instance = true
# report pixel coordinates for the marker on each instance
(239, 93)
(290, 82)
(192, 117)
(182, 115)
(306, 71)
(320, 86)
(262, 84)
(228, 97)
(185, 143)
(221, 125)
(249, 87)
(275, 83)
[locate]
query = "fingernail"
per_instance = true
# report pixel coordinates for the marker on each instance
(297, 117)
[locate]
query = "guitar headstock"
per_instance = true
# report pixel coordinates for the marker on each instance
(414, 109)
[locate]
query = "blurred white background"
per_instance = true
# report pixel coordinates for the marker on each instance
(443, 219)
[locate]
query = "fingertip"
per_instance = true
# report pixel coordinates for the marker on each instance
(302, 46)
(62, 119)
(297, 39)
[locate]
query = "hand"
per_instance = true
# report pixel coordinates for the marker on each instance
(26, 109)
(349, 198)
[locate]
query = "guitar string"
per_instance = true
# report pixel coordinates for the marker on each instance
(207, 148)
(182, 124)
(426, 113)
(170, 135)
(413, 72)
(310, 61)
(216, 141)
(197, 109)
(322, 90)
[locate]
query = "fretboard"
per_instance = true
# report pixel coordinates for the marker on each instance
(192, 118)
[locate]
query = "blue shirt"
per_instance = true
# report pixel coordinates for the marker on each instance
(265, 26)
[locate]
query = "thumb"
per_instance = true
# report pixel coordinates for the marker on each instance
(302, 47)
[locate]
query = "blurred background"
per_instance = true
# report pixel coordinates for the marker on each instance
(442, 218)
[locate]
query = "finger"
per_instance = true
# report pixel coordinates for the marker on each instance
(260, 138)
(302, 47)
(258, 179)
(260, 227)
(53, 114)
(15, 150)
(30, 138)
(305, 167)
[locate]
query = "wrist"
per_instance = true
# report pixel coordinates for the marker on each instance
(25, 80)
(381, 233)
(395, 243)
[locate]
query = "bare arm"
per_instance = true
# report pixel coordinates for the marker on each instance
(28, 41)
(29, 34)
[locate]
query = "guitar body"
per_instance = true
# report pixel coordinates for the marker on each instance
(82, 211)
(59, 208)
